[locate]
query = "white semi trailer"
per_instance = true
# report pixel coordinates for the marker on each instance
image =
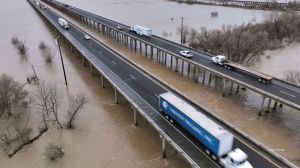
(63, 23)
(216, 139)
(140, 30)
(221, 60)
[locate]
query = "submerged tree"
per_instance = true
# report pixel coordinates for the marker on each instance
(76, 104)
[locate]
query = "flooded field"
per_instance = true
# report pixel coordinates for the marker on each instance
(104, 134)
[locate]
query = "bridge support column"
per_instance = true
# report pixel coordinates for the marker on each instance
(275, 105)
(176, 64)
(83, 61)
(224, 87)
(164, 154)
(91, 68)
(198, 75)
(269, 105)
(102, 81)
(188, 70)
(134, 117)
(209, 78)
(262, 106)
(166, 59)
(140, 47)
(231, 88)
(116, 96)
(237, 89)
(203, 79)
(134, 44)
(171, 64)
(146, 49)
(182, 66)
(194, 72)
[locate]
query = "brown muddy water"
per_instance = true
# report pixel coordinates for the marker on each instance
(104, 136)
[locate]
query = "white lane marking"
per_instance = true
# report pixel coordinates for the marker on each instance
(289, 88)
(114, 62)
(203, 60)
(287, 94)
(132, 77)
(238, 74)
(156, 95)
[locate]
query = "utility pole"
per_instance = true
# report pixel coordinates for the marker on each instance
(181, 40)
(62, 61)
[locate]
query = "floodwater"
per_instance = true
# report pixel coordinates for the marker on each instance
(164, 17)
(104, 136)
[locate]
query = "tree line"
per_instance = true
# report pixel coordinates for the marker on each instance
(244, 43)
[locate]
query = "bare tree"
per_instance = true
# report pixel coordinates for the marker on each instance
(76, 104)
(292, 77)
(42, 45)
(15, 40)
(48, 54)
(14, 113)
(49, 98)
(22, 49)
(13, 97)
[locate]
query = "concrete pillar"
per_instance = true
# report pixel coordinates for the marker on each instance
(188, 72)
(268, 105)
(146, 49)
(224, 87)
(134, 44)
(203, 79)
(237, 89)
(176, 64)
(209, 78)
(164, 148)
(151, 52)
(231, 87)
(182, 66)
(165, 55)
(102, 81)
(91, 68)
(140, 47)
(171, 64)
(198, 75)
(194, 72)
(116, 95)
(275, 105)
(134, 117)
(83, 61)
(262, 106)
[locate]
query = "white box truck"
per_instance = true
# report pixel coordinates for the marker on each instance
(63, 23)
(216, 139)
(221, 60)
(140, 30)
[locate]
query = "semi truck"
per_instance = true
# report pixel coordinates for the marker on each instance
(63, 23)
(140, 30)
(216, 140)
(221, 60)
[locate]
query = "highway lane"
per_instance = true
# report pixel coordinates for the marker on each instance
(277, 88)
(142, 85)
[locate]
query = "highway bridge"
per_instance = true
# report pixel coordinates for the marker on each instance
(199, 66)
(141, 90)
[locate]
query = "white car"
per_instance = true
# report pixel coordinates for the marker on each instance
(87, 37)
(186, 54)
(119, 28)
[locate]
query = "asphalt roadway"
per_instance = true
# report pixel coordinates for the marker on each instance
(148, 89)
